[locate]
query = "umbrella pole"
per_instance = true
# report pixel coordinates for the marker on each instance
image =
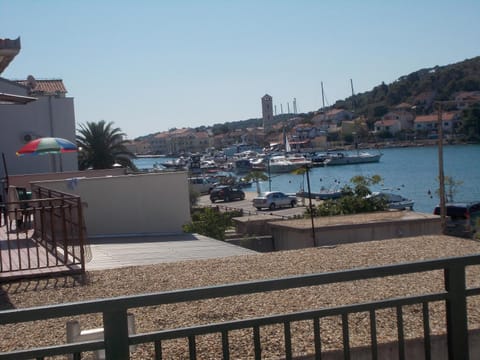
(5, 168)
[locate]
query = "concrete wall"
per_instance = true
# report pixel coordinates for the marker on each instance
(287, 238)
(26, 179)
(297, 234)
(155, 203)
(414, 349)
(47, 116)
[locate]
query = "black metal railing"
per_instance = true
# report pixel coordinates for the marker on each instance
(117, 339)
(44, 235)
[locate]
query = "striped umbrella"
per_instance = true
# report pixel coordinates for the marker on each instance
(47, 145)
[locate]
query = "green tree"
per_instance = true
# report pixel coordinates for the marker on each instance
(354, 199)
(471, 122)
(101, 146)
(211, 222)
(256, 176)
(451, 188)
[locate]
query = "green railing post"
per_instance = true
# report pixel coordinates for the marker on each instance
(457, 325)
(115, 331)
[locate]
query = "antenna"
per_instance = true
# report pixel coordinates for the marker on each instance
(32, 83)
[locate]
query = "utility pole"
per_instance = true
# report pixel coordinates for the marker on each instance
(441, 175)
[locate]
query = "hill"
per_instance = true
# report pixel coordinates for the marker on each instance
(420, 89)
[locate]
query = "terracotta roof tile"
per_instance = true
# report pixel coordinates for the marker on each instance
(434, 117)
(48, 87)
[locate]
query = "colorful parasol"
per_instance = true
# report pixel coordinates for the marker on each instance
(47, 145)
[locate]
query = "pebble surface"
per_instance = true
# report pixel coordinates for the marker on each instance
(190, 274)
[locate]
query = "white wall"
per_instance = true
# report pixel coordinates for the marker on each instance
(45, 117)
(155, 203)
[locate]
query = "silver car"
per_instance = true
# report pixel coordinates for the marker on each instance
(274, 199)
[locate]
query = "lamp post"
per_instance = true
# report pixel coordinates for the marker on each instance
(307, 170)
(269, 174)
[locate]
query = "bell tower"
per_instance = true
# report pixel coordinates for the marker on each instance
(267, 112)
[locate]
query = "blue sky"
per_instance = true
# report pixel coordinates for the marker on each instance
(149, 66)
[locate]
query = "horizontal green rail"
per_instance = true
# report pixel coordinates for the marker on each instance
(117, 339)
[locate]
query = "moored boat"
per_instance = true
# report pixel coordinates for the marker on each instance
(321, 195)
(394, 201)
(284, 164)
(342, 158)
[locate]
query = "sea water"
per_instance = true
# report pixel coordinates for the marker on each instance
(411, 172)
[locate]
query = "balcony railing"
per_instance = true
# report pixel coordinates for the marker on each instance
(43, 235)
(117, 338)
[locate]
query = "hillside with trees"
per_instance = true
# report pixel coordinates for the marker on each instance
(420, 89)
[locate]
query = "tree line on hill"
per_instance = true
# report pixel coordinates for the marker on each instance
(420, 89)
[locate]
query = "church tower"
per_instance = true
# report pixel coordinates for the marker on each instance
(267, 112)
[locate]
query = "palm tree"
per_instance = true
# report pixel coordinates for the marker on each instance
(101, 146)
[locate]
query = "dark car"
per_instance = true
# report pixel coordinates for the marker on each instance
(226, 193)
(462, 218)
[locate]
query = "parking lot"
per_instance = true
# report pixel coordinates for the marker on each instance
(247, 207)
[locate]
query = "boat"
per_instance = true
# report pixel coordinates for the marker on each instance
(323, 194)
(394, 201)
(180, 163)
(242, 166)
(283, 164)
(342, 158)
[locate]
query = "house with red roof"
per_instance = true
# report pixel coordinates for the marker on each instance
(429, 123)
(392, 126)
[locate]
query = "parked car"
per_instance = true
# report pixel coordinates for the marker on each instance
(463, 218)
(274, 199)
(226, 193)
(201, 185)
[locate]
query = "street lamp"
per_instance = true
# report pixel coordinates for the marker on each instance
(307, 170)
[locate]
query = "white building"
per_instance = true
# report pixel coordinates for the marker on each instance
(50, 114)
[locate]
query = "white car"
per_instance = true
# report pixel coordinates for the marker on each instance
(274, 199)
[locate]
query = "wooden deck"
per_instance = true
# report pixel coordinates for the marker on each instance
(22, 256)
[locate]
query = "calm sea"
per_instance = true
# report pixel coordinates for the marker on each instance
(411, 172)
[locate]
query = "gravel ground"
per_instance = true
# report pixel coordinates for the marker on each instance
(187, 274)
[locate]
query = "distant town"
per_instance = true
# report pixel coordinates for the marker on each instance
(319, 130)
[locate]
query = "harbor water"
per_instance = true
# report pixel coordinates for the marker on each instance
(408, 171)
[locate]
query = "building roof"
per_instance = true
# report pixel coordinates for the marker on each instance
(403, 105)
(386, 122)
(446, 116)
(43, 87)
(468, 95)
(8, 50)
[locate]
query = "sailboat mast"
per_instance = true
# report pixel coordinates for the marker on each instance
(353, 94)
(323, 97)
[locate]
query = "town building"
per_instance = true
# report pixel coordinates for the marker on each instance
(429, 123)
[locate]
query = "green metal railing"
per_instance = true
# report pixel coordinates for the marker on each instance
(117, 339)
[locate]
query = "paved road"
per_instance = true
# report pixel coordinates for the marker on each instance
(246, 205)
